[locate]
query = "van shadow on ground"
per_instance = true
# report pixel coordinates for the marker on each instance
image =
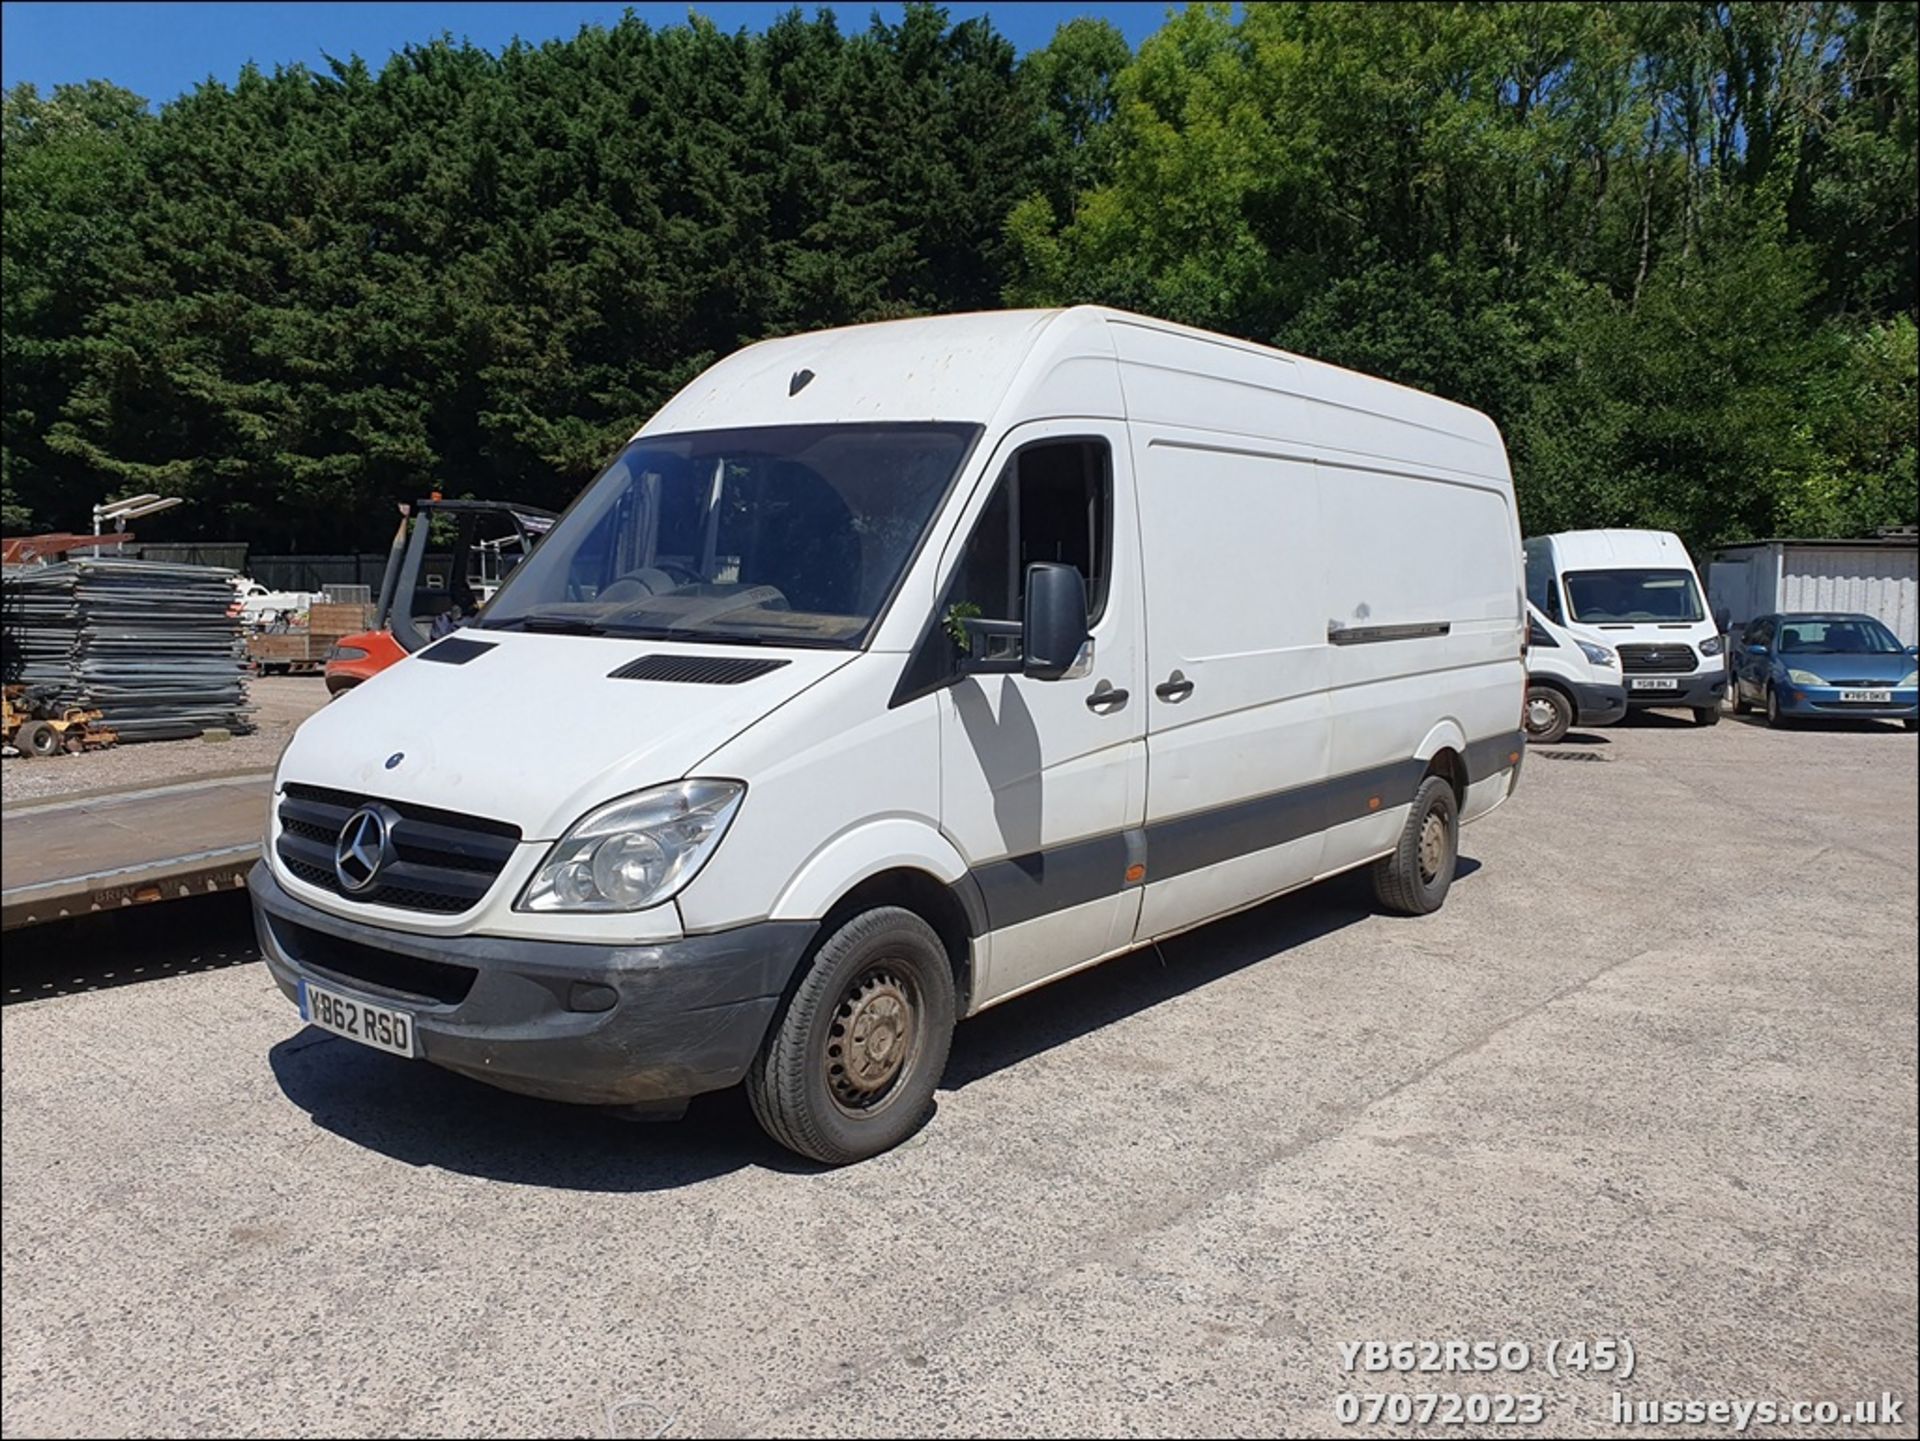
(423, 1116)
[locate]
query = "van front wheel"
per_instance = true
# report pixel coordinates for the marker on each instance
(849, 1068)
(1549, 715)
(1413, 880)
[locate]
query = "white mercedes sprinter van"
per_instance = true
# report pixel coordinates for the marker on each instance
(1635, 591)
(1569, 681)
(894, 671)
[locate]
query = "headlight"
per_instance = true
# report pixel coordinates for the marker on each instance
(634, 852)
(346, 652)
(1598, 654)
(1711, 645)
(1805, 677)
(1910, 680)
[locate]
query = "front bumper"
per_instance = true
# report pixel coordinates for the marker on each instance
(1696, 689)
(1599, 705)
(1819, 700)
(609, 1025)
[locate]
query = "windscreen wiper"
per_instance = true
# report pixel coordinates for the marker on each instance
(552, 624)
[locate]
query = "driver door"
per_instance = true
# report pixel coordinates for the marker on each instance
(1041, 780)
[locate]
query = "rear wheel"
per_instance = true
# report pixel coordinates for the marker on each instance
(1413, 880)
(37, 738)
(849, 1069)
(1549, 715)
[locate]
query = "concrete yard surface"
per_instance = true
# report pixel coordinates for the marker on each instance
(1650, 1075)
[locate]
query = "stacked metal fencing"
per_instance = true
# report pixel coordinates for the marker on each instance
(156, 648)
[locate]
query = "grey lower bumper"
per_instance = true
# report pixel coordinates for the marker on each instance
(572, 1022)
(1697, 690)
(1599, 705)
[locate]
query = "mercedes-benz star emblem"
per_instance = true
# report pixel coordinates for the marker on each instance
(363, 849)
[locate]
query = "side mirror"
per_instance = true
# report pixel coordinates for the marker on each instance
(1757, 648)
(1055, 627)
(1913, 650)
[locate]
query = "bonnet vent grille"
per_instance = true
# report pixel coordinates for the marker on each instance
(696, 669)
(456, 650)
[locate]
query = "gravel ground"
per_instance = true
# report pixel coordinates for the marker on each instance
(1650, 1074)
(281, 702)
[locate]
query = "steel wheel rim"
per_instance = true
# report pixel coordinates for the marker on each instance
(873, 1039)
(1433, 846)
(1540, 716)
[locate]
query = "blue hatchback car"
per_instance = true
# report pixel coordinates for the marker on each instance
(1806, 664)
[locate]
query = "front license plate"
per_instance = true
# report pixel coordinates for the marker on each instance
(1872, 697)
(1657, 683)
(381, 1027)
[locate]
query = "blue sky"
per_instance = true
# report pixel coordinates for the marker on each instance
(162, 50)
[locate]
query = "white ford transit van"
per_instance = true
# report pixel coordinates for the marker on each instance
(888, 673)
(1635, 591)
(1569, 681)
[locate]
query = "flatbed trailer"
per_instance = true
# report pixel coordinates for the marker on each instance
(108, 850)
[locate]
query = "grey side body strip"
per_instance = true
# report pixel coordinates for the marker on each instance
(1023, 888)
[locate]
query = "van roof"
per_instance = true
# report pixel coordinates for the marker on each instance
(1597, 549)
(965, 368)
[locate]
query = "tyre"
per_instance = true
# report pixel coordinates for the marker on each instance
(37, 738)
(1413, 881)
(1912, 725)
(1740, 706)
(1707, 715)
(1549, 715)
(849, 1067)
(1775, 717)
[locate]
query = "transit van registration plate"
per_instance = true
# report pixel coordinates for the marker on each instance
(1659, 682)
(1872, 697)
(378, 1026)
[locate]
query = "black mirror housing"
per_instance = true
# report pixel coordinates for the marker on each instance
(1055, 627)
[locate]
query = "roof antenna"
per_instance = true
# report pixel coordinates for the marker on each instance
(799, 381)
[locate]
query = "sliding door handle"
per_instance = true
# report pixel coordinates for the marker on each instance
(1174, 689)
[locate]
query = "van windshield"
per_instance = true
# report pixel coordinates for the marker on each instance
(775, 535)
(1599, 597)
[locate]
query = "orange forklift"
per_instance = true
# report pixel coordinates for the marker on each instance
(419, 603)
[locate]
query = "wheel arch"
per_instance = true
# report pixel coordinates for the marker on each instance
(1444, 751)
(892, 861)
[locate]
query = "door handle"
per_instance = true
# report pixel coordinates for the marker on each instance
(1174, 689)
(1106, 697)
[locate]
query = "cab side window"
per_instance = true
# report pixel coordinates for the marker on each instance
(1053, 502)
(1542, 585)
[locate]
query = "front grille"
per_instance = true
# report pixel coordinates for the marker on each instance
(443, 861)
(413, 977)
(1641, 659)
